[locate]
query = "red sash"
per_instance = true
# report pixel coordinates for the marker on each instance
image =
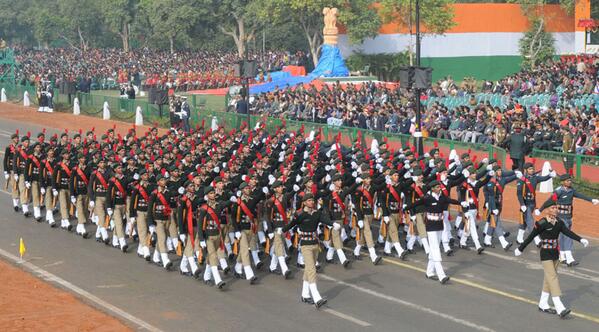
(118, 184)
(102, 180)
(367, 195)
(418, 190)
(280, 209)
(245, 209)
(49, 167)
(338, 200)
(81, 175)
(529, 185)
(143, 193)
(497, 185)
(472, 194)
(444, 190)
(23, 154)
(167, 208)
(214, 217)
(65, 169)
(35, 161)
(394, 193)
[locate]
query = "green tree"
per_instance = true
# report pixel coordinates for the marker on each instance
(14, 24)
(44, 21)
(80, 21)
(436, 16)
(118, 15)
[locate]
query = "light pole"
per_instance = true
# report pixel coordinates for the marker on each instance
(418, 132)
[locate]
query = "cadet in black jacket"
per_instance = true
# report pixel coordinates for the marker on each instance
(159, 212)
(138, 212)
(549, 229)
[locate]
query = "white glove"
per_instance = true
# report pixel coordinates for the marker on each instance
(16, 176)
(152, 229)
(306, 154)
(237, 235)
(406, 165)
(296, 187)
(431, 163)
(336, 226)
(224, 165)
(109, 211)
(358, 180)
(271, 235)
(6, 176)
(464, 204)
(386, 219)
(243, 177)
(181, 190)
(92, 204)
(271, 179)
(407, 175)
(465, 173)
(327, 168)
(216, 169)
(182, 237)
(553, 174)
(413, 218)
(491, 173)
(585, 242)
(265, 190)
(518, 174)
(27, 185)
(238, 193)
(132, 220)
(73, 199)
(595, 201)
(135, 176)
(327, 178)
(298, 178)
(54, 192)
(203, 244)
(279, 230)
(43, 191)
(523, 208)
(517, 252)
(485, 160)
(283, 146)
(361, 223)
(233, 199)
(496, 212)
(354, 174)
(537, 212)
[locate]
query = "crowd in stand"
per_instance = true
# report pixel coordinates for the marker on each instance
(184, 70)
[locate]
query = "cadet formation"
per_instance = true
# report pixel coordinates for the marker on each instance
(231, 203)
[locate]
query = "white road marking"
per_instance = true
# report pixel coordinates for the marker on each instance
(409, 304)
(45, 275)
(111, 286)
(347, 317)
(53, 264)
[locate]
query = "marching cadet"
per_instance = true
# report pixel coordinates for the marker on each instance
(414, 189)
(98, 194)
(364, 201)
(549, 229)
(33, 179)
(19, 169)
(447, 182)
(526, 193)
(468, 195)
(9, 174)
(186, 214)
(434, 204)
(307, 222)
(493, 192)
(47, 183)
(176, 189)
(115, 206)
(564, 197)
(210, 233)
(335, 205)
(78, 191)
(159, 212)
(245, 226)
(138, 212)
(392, 207)
(278, 212)
(229, 233)
(62, 176)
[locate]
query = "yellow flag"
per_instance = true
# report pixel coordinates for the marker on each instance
(22, 248)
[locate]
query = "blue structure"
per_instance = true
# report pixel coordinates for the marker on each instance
(331, 63)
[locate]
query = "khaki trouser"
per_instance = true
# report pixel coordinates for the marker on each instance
(550, 281)
(420, 227)
(336, 236)
(392, 228)
(23, 192)
(127, 203)
(13, 185)
(310, 253)
(49, 199)
(117, 217)
(161, 234)
(278, 245)
(367, 232)
(81, 205)
(171, 226)
(35, 194)
(142, 227)
(191, 249)
(243, 256)
(212, 247)
(100, 211)
(64, 201)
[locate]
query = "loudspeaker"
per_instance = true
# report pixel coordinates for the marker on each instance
(249, 69)
(237, 68)
(406, 77)
(423, 78)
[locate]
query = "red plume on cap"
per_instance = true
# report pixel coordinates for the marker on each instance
(533, 160)
(385, 139)
(499, 163)
(447, 163)
(554, 197)
(163, 171)
(93, 129)
(438, 176)
(44, 131)
(495, 155)
(28, 134)
(17, 132)
(190, 176)
(114, 126)
(474, 159)
(80, 131)
(338, 139)
(436, 144)
(413, 148)
(571, 171)
(441, 154)
(221, 173)
(152, 158)
(203, 121)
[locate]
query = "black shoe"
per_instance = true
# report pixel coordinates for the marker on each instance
(168, 266)
(449, 252)
(253, 280)
(488, 245)
(330, 261)
(357, 257)
(287, 259)
(451, 242)
(53, 225)
(98, 239)
(287, 274)
(187, 274)
(261, 253)
(106, 242)
(410, 251)
(387, 254)
(196, 274)
(318, 268)
(172, 251)
(431, 277)
(550, 311)
(85, 235)
(238, 275)
(231, 257)
(346, 263)
(320, 303)
(208, 282)
(403, 255)
(300, 266)
(259, 265)
(564, 313)
(27, 214)
(464, 247)
(539, 245)
(275, 271)
(480, 250)
(16, 208)
(377, 260)
(70, 227)
(147, 258)
(518, 242)
(509, 245)
(124, 248)
(221, 285)
(506, 234)
(444, 280)
(307, 300)
(136, 238)
(38, 219)
(226, 270)
(572, 264)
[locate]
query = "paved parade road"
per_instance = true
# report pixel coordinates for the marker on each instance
(491, 292)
